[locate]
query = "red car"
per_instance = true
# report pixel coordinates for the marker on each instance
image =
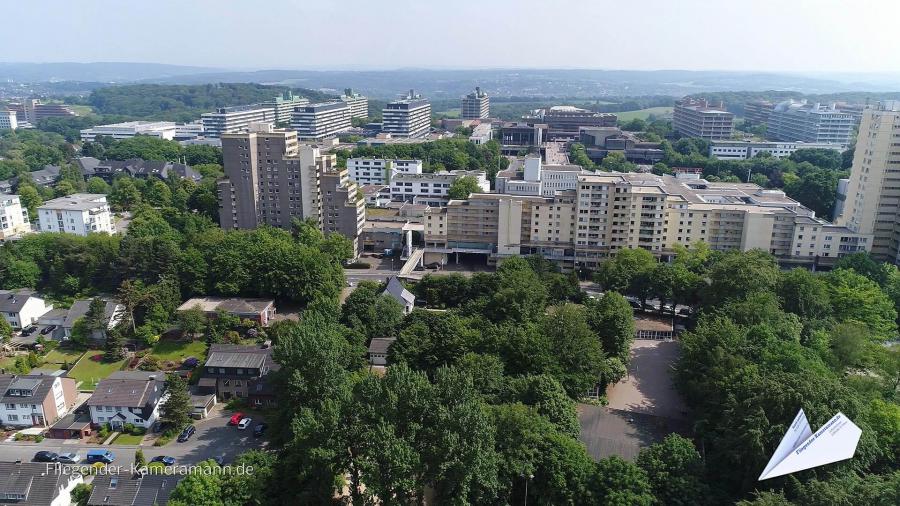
(235, 419)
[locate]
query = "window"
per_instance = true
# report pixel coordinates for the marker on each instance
(12, 418)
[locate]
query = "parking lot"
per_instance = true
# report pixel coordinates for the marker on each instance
(213, 438)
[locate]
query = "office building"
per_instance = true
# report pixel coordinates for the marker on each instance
(236, 119)
(270, 179)
(744, 150)
(432, 188)
(283, 106)
(13, 217)
(359, 105)
(79, 214)
(408, 117)
(800, 121)
(379, 171)
(161, 129)
(697, 118)
(8, 120)
(598, 142)
(756, 112)
(189, 131)
(481, 133)
(871, 203)
(343, 210)
(523, 134)
(610, 211)
(319, 121)
(32, 111)
(476, 105)
(564, 121)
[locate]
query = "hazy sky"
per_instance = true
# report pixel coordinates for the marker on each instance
(793, 35)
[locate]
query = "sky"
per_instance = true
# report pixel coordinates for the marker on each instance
(746, 35)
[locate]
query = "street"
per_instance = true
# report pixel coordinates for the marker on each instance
(214, 437)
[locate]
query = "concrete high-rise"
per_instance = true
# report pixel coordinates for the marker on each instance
(476, 105)
(408, 117)
(283, 105)
(872, 201)
(798, 121)
(343, 210)
(236, 119)
(359, 105)
(270, 179)
(319, 121)
(697, 118)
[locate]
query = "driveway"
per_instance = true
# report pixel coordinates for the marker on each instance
(213, 437)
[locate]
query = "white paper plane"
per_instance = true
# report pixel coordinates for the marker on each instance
(800, 449)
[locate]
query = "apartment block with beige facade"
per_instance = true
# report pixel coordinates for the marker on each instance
(872, 200)
(608, 212)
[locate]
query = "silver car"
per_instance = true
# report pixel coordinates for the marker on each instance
(69, 458)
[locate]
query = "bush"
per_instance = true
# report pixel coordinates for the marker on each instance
(128, 427)
(137, 431)
(149, 363)
(38, 438)
(103, 433)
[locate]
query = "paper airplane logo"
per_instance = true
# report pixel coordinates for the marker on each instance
(800, 449)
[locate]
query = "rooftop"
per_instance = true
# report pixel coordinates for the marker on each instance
(133, 389)
(76, 201)
(238, 306)
(237, 356)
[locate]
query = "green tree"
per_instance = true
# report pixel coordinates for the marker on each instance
(612, 320)
(368, 311)
(736, 275)
(202, 487)
(6, 330)
(462, 187)
(30, 199)
(192, 321)
(81, 332)
(579, 355)
(125, 194)
(675, 471)
(139, 459)
(619, 483)
(158, 194)
(857, 298)
(97, 185)
(621, 272)
(81, 493)
(176, 410)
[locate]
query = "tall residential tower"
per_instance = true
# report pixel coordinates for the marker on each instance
(408, 117)
(476, 105)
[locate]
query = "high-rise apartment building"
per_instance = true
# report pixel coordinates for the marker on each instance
(697, 118)
(610, 211)
(407, 117)
(236, 119)
(800, 121)
(476, 105)
(13, 217)
(319, 121)
(343, 210)
(369, 171)
(283, 105)
(8, 119)
(359, 105)
(270, 179)
(756, 112)
(872, 200)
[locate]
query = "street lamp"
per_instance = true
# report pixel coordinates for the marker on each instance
(527, 479)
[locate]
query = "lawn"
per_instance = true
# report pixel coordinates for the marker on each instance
(127, 439)
(82, 110)
(177, 351)
(7, 363)
(90, 371)
(58, 356)
(644, 113)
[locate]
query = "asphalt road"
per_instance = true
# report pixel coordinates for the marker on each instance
(214, 437)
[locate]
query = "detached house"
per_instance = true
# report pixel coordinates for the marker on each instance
(127, 397)
(398, 292)
(261, 311)
(35, 400)
(233, 370)
(113, 314)
(29, 484)
(132, 489)
(22, 307)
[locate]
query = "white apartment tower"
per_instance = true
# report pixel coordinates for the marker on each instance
(283, 105)
(319, 121)
(79, 214)
(368, 171)
(8, 120)
(227, 120)
(13, 217)
(359, 105)
(476, 105)
(408, 117)
(872, 204)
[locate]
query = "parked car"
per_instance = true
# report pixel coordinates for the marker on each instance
(101, 456)
(433, 265)
(685, 311)
(236, 418)
(260, 429)
(45, 456)
(48, 329)
(27, 331)
(69, 458)
(165, 460)
(245, 423)
(186, 433)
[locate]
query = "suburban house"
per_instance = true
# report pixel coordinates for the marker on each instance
(58, 322)
(378, 350)
(35, 399)
(22, 307)
(108, 170)
(127, 397)
(132, 489)
(233, 370)
(29, 484)
(261, 311)
(399, 292)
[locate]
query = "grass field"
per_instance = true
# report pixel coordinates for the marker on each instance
(644, 113)
(82, 110)
(7, 363)
(177, 351)
(59, 356)
(127, 439)
(90, 372)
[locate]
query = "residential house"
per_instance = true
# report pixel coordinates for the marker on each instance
(42, 178)
(29, 484)
(233, 370)
(261, 311)
(113, 313)
(132, 489)
(35, 399)
(378, 350)
(22, 307)
(399, 292)
(108, 170)
(127, 397)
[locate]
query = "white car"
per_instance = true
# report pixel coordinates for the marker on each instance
(69, 458)
(244, 423)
